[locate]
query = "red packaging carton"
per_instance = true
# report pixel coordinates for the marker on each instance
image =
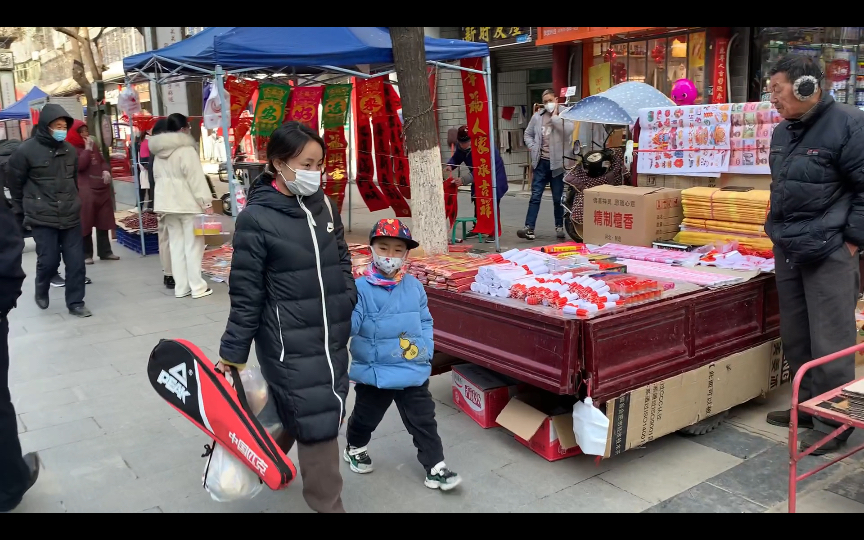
(542, 425)
(481, 393)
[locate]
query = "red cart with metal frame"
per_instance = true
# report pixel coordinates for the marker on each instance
(818, 406)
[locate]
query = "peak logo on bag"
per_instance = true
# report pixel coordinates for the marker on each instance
(176, 382)
(257, 463)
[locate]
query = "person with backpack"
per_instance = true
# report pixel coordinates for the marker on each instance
(292, 292)
(44, 187)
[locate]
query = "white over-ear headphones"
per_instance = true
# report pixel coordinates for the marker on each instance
(804, 87)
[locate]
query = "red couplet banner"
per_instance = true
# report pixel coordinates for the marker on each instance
(372, 196)
(476, 103)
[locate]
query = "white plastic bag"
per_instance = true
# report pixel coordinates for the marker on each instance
(229, 480)
(591, 428)
(213, 109)
(226, 478)
(128, 101)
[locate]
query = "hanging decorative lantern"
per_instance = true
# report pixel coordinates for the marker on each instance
(609, 55)
(619, 72)
(658, 54)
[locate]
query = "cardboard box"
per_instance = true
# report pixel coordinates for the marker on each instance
(481, 393)
(662, 408)
(543, 423)
(635, 216)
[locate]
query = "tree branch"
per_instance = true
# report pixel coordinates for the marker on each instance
(99, 34)
(71, 32)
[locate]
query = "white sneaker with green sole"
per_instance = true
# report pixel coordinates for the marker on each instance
(440, 477)
(358, 459)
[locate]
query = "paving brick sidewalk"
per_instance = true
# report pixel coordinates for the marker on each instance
(110, 444)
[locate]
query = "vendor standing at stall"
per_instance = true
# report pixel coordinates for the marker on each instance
(816, 222)
(463, 155)
(94, 188)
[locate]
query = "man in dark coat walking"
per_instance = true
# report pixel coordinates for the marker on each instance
(816, 222)
(17, 474)
(44, 187)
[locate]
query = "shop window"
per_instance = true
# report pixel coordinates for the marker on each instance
(696, 48)
(656, 74)
(838, 50)
(539, 76)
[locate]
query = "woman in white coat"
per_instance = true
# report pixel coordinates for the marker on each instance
(181, 194)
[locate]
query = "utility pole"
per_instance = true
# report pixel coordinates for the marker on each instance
(421, 139)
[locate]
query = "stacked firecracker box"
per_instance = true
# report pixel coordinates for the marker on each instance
(452, 272)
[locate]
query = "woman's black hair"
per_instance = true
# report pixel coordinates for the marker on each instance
(289, 140)
(176, 122)
(161, 126)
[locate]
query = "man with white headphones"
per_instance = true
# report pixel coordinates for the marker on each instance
(816, 221)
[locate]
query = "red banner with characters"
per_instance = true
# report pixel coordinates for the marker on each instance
(336, 164)
(370, 98)
(240, 93)
(720, 75)
(304, 105)
(381, 132)
(476, 103)
(401, 177)
(372, 196)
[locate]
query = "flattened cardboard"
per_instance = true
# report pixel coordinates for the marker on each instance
(659, 409)
(521, 419)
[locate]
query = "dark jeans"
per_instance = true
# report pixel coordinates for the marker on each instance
(417, 410)
(543, 176)
(103, 244)
(146, 197)
(14, 473)
(817, 318)
(50, 244)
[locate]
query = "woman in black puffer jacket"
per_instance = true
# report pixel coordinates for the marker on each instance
(292, 291)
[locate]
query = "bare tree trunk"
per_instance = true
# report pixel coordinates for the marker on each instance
(421, 137)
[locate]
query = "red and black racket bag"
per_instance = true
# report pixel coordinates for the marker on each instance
(189, 382)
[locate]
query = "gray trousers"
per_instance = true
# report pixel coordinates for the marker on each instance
(817, 318)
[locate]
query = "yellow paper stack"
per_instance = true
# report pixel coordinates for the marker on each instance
(714, 215)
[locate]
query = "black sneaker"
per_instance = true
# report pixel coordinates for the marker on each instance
(440, 477)
(169, 282)
(470, 234)
(527, 233)
(812, 437)
(58, 281)
(559, 232)
(782, 419)
(81, 312)
(42, 302)
(358, 459)
(88, 281)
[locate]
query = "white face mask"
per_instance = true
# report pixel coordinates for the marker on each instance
(550, 107)
(387, 265)
(305, 183)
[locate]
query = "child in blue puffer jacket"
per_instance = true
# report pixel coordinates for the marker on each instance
(391, 353)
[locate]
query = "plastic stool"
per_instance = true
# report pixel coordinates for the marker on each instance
(464, 221)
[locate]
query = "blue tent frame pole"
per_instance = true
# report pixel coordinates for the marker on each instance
(226, 125)
(487, 75)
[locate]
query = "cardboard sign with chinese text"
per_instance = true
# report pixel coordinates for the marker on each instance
(634, 216)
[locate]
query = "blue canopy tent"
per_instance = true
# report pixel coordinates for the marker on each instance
(301, 52)
(20, 110)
